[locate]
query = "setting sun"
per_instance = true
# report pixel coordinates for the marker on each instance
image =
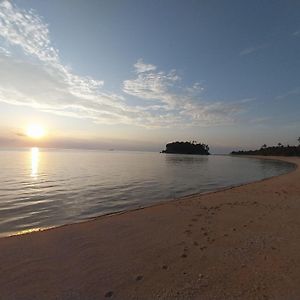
(35, 131)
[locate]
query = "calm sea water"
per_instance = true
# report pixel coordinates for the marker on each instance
(44, 188)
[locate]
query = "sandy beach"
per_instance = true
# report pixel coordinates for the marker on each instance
(239, 243)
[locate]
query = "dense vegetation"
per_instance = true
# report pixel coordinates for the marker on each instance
(279, 150)
(187, 148)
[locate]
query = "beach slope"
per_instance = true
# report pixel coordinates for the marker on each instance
(240, 243)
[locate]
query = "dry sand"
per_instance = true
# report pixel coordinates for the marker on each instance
(240, 243)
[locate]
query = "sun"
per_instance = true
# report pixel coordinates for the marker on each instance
(35, 131)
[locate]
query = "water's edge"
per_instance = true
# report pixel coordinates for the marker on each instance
(165, 201)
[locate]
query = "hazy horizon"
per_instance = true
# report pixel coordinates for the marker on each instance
(213, 151)
(135, 75)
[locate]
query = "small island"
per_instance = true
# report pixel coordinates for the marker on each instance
(279, 150)
(187, 148)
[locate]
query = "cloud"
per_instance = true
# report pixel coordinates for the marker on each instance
(182, 104)
(141, 67)
(296, 33)
(4, 52)
(37, 78)
(251, 50)
(151, 85)
(293, 92)
(213, 114)
(40, 80)
(27, 30)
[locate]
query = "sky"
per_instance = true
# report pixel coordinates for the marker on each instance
(135, 75)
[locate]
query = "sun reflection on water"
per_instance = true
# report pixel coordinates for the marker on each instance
(25, 231)
(34, 162)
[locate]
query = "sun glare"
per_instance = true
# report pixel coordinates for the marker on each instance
(34, 162)
(35, 131)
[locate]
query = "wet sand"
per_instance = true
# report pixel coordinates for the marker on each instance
(240, 243)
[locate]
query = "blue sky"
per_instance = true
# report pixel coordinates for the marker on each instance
(138, 74)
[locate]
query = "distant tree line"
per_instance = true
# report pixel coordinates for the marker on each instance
(187, 148)
(279, 150)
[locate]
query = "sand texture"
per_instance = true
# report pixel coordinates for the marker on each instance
(240, 243)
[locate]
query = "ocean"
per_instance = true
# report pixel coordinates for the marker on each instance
(42, 188)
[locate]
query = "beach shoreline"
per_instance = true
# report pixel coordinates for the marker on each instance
(233, 243)
(159, 202)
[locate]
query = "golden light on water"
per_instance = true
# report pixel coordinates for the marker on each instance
(35, 131)
(34, 162)
(25, 231)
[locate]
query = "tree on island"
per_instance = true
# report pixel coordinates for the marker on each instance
(279, 150)
(187, 148)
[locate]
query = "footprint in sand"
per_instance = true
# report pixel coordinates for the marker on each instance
(109, 294)
(209, 239)
(139, 278)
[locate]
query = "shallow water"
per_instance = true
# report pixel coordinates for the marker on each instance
(44, 188)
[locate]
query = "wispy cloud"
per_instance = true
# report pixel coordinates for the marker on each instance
(141, 67)
(4, 52)
(39, 79)
(27, 30)
(296, 33)
(151, 85)
(292, 92)
(183, 102)
(253, 49)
